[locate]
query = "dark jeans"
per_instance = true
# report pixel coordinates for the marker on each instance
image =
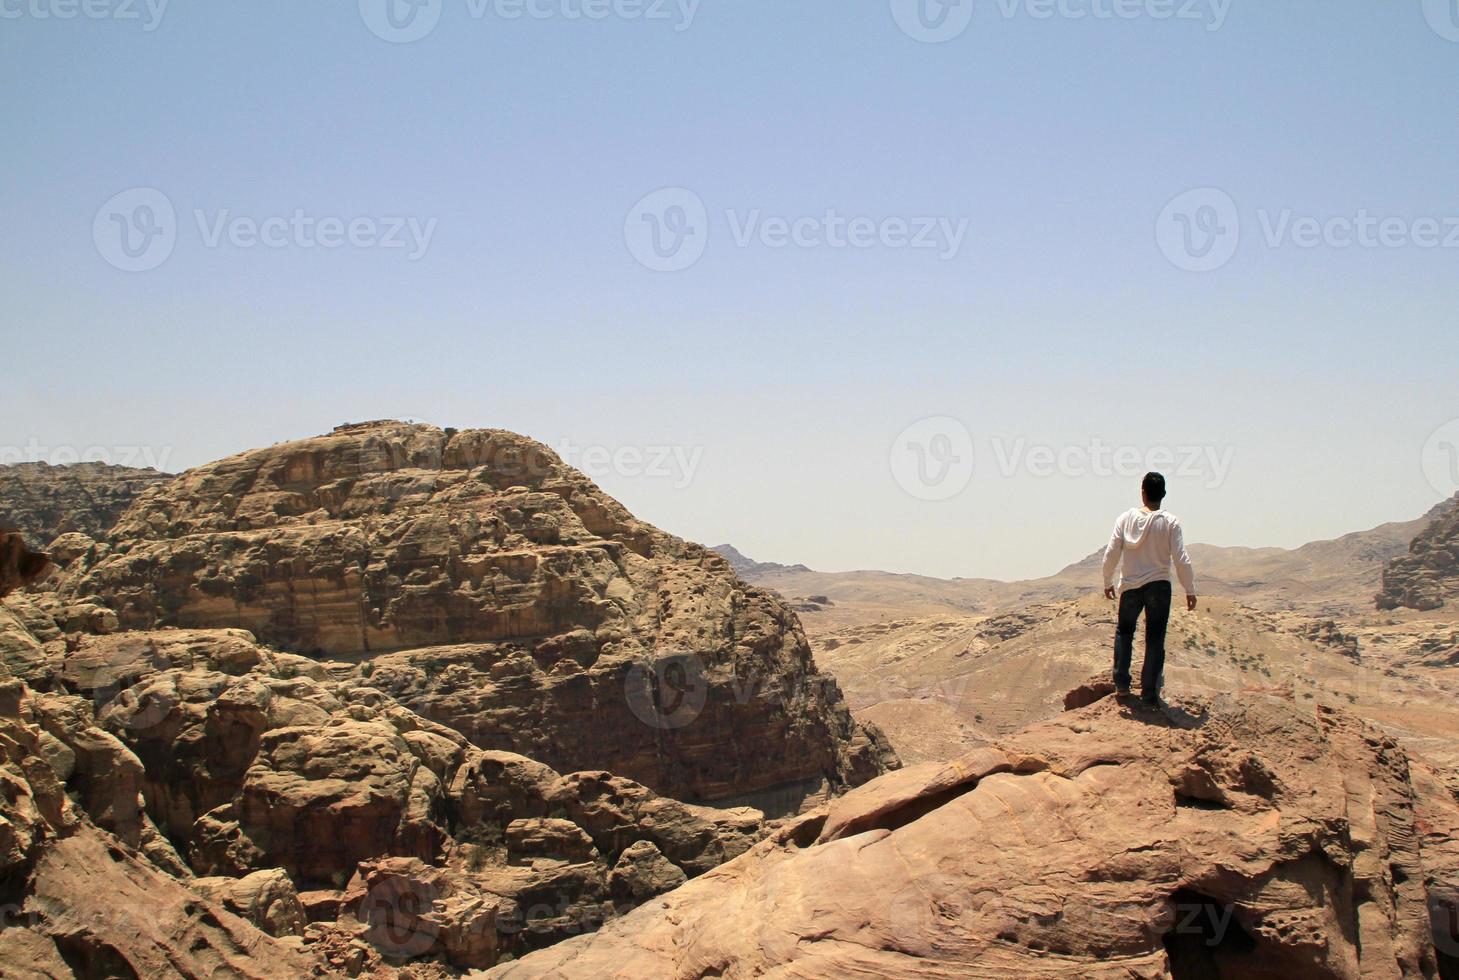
(1153, 599)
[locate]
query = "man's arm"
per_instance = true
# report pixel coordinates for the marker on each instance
(1112, 554)
(1183, 567)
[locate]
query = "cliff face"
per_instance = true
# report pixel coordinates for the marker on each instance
(44, 501)
(498, 591)
(1428, 576)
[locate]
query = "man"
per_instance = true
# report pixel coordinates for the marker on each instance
(1144, 543)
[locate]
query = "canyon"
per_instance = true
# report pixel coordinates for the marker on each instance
(401, 701)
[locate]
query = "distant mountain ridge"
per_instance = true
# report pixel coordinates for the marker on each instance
(746, 566)
(1329, 577)
(1426, 576)
(42, 501)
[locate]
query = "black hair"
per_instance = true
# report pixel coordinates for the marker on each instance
(1153, 486)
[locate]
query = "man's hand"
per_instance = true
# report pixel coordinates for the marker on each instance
(1190, 603)
(1109, 593)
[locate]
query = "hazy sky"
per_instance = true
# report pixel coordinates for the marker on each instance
(463, 228)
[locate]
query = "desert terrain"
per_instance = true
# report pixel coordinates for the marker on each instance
(400, 701)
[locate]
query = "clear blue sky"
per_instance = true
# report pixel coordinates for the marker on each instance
(790, 371)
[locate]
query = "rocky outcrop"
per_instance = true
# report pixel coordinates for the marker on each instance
(1428, 576)
(292, 794)
(44, 501)
(1235, 836)
(499, 592)
(80, 902)
(265, 898)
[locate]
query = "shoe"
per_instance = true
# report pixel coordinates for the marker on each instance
(1122, 691)
(1151, 700)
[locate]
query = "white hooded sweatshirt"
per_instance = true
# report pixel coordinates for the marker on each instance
(1143, 545)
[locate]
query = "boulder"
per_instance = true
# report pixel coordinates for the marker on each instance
(265, 898)
(642, 873)
(1236, 836)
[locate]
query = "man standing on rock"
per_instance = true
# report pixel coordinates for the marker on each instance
(1144, 543)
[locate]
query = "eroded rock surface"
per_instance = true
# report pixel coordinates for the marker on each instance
(44, 502)
(1240, 836)
(1428, 576)
(290, 793)
(497, 591)
(81, 902)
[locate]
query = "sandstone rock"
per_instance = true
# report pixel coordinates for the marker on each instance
(642, 872)
(45, 501)
(71, 546)
(84, 904)
(1240, 836)
(901, 797)
(102, 770)
(265, 898)
(526, 609)
(28, 955)
(22, 654)
(493, 789)
(1428, 576)
(321, 799)
(119, 916)
(408, 910)
(544, 837)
